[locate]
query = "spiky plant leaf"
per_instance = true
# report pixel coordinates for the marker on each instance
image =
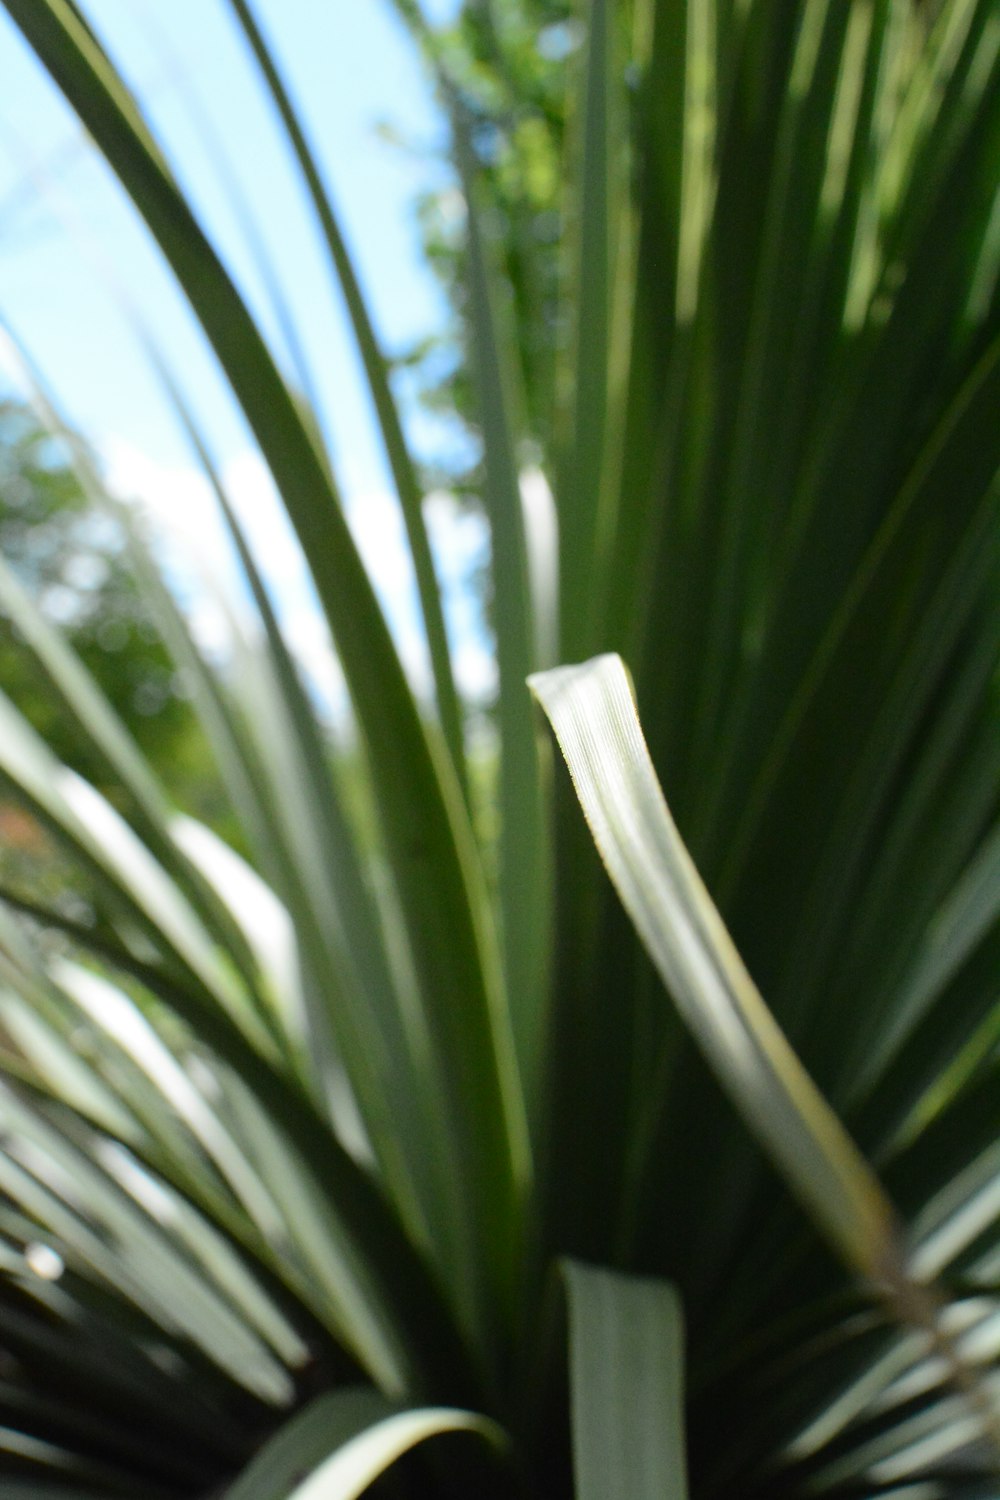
(626, 1352)
(323, 1116)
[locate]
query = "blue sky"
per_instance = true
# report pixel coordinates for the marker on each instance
(66, 230)
(350, 65)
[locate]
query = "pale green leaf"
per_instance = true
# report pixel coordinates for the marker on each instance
(343, 1442)
(525, 886)
(355, 1466)
(626, 1386)
(595, 721)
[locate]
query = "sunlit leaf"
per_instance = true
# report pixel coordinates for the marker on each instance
(358, 1439)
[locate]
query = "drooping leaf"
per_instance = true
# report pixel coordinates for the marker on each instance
(594, 718)
(340, 1444)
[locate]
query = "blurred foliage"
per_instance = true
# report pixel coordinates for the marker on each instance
(349, 1108)
(508, 63)
(70, 556)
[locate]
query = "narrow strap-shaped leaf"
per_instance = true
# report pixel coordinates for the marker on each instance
(354, 1467)
(99, 839)
(400, 462)
(971, 911)
(93, 715)
(594, 717)
(595, 720)
(524, 854)
(206, 1247)
(774, 303)
(99, 1361)
(240, 772)
(379, 1287)
(111, 1009)
(55, 1065)
(276, 1293)
(82, 1204)
(657, 356)
(18, 1447)
(343, 1441)
(626, 1386)
(100, 727)
(311, 855)
(210, 140)
(596, 223)
(149, 810)
(305, 1440)
(430, 842)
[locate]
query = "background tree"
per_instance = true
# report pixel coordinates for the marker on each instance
(70, 556)
(507, 60)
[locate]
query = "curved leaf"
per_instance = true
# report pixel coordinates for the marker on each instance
(595, 721)
(347, 1439)
(594, 717)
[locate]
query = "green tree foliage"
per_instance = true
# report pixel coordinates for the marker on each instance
(508, 65)
(70, 554)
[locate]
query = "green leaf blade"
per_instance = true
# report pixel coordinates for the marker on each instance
(594, 717)
(347, 1439)
(434, 857)
(400, 462)
(525, 886)
(626, 1386)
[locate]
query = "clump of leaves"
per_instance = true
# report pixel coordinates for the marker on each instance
(354, 1121)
